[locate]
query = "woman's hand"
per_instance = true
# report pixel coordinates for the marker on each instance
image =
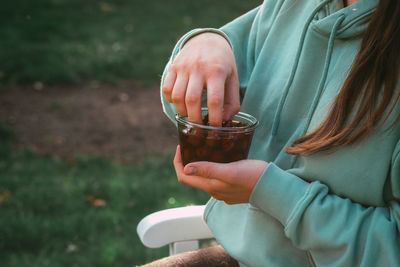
(205, 62)
(231, 182)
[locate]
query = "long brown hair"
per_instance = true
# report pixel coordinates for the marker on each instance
(370, 86)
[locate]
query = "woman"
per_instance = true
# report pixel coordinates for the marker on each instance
(321, 186)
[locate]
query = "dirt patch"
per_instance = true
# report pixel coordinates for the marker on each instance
(124, 122)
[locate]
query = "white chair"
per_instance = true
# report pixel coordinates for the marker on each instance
(180, 228)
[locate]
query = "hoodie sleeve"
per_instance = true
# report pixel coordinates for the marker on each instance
(244, 35)
(335, 231)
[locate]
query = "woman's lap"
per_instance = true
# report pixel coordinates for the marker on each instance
(214, 256)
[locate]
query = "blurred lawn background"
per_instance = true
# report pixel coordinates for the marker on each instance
(72, 41)
(84, 212)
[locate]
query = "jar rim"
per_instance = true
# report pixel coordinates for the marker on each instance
(251, 121)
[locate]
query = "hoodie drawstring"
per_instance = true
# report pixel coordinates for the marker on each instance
(321, 84)
(294, 68)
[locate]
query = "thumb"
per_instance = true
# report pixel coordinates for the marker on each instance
(207, 169)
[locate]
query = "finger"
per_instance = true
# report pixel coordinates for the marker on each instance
(178, 94)
(232, 97)
(168, 84)
(178, 160)
(193, 98)
(210, 186)
(215, 99)
(178, 164)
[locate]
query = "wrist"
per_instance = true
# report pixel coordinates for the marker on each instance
(208, 36)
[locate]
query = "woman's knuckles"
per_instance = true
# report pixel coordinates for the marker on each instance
(178, 96)
(191, 99)
(217, 70)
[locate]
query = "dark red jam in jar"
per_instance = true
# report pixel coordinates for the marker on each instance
(201, 142)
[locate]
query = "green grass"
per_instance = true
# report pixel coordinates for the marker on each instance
(75, 41)
(47, 220)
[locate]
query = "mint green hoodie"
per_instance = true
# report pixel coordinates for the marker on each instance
(338, 208)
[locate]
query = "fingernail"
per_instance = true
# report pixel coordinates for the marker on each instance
(190, 170)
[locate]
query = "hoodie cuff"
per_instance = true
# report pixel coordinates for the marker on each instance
(195, 32)
(278, 193)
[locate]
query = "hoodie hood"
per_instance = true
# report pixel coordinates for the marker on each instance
(356, 18)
